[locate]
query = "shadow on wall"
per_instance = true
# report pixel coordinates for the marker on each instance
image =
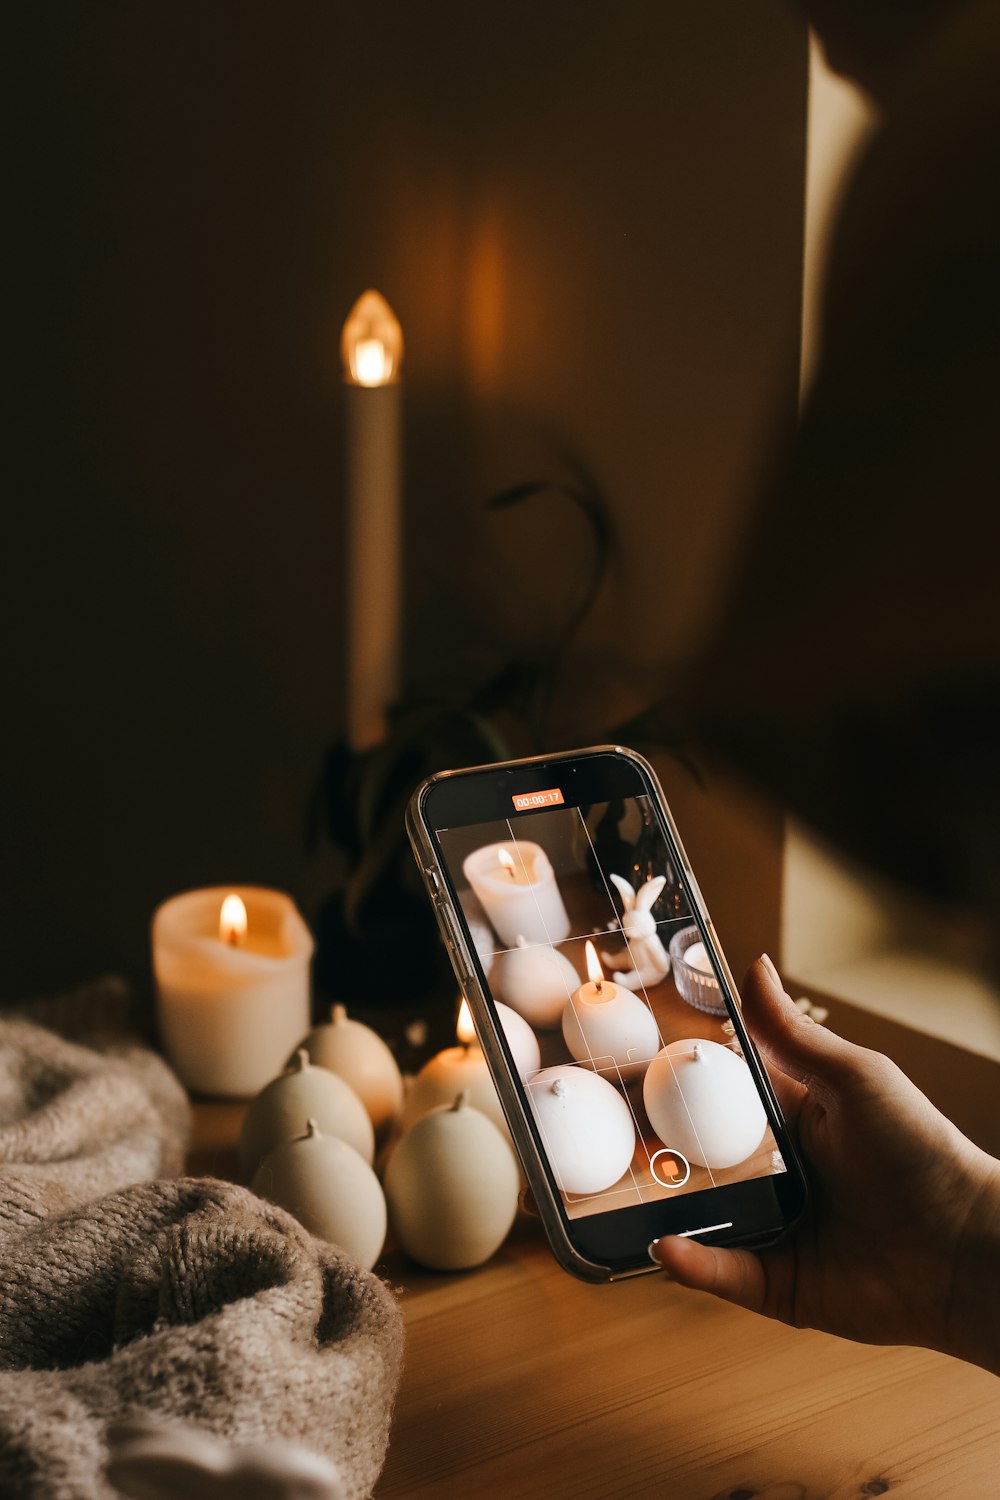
(589, 221)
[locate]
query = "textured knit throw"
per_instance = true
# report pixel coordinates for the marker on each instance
(188, 1300)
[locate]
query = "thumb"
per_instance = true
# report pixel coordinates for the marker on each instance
(791, 1041)
(735, 1275)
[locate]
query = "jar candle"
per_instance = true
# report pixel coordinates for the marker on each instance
(232, 979)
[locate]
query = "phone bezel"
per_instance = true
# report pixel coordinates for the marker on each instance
(614, 1244)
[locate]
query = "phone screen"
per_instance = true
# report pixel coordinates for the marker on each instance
(608, 995)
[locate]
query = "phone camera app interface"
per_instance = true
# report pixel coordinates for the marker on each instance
(609, 1003)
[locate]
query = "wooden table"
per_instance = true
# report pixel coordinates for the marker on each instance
(522, 1383)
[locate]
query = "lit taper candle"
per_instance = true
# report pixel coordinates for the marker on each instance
(371, 349)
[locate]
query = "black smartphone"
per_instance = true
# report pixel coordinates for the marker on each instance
(605, 1008)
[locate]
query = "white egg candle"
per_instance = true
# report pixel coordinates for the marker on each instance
(484, 939)
(605, 1025)
(452, 1185)
(456, 1070)
(232, 983)
(536, 981)
(521, 1040)
(329, 1189)
(281, 1110)
(586, 1126)
(702, 1101)
(516, 887)
(361, 1058)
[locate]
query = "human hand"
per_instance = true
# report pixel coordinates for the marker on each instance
(901, 1239)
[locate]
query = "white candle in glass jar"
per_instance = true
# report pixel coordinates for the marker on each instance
(516, 887)
(232, 981)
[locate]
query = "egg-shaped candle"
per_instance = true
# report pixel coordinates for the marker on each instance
(606, 1025)
(516, 887)
(586, 1127)
(329, 1189)
(536, 980)
(702, 1101)
(452, 1185)
(303, 1092)
(451, 1072)
(484, 939)
(521, 1040)
(361, 1058)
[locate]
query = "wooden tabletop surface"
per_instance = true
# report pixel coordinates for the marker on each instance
(523, 1383)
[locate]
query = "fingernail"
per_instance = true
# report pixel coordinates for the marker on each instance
(769, 966)
(657, 1263)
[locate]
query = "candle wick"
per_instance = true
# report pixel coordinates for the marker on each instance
(598, 985)
(233, 938)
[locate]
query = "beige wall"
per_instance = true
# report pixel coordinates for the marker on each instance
(587, 216)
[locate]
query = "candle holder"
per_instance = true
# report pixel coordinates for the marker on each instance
(699, 987)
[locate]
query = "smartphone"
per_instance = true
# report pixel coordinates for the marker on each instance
(605, 1008)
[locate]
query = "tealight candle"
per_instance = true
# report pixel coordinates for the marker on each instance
(702, 1101)
(454, 1071)
(697, 958)
(232, 980)
(605, 1023)
(516, 887)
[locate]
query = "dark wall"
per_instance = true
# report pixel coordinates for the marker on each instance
(588, 218)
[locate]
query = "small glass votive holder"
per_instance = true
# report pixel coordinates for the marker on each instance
(697, 987)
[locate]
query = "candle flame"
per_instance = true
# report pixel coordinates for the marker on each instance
(507, 861)
(233, 921)
(465, 1028)
(371, 344)
(372, 362)
(594, 971)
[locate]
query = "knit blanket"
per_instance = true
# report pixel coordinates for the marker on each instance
(189, 1300)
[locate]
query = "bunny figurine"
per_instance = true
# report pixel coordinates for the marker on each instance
(647, 955)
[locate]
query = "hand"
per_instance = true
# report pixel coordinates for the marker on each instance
(901, 1239)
